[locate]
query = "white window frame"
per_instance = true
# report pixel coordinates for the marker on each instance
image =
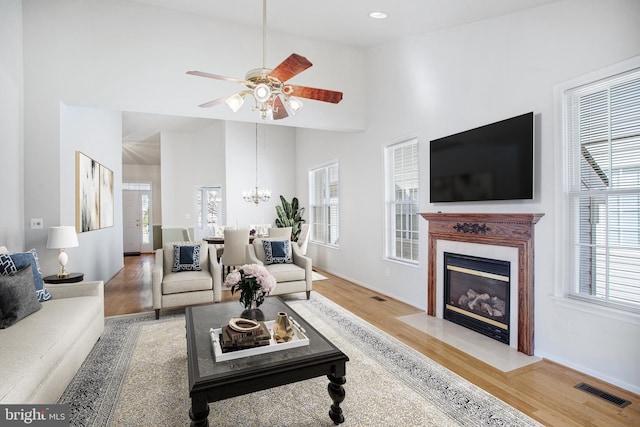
(407, 237)
(200, 229)
(568, 266)
(325, 228)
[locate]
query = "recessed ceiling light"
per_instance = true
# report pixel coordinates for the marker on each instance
(378, 15)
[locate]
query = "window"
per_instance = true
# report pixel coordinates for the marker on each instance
(209, 209)
(324, 202)
(401, 177)
(602, 142)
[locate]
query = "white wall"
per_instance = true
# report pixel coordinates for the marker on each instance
(276, 170)
(457, 79)
(98, 134)
(189, 160)
(11, 124)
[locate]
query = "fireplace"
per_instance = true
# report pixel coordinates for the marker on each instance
(514, 231)
(477, 294)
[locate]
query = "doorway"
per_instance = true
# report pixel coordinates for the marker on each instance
(137, 230)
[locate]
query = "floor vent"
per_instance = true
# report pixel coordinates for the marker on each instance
(377, 298)
(618, 401)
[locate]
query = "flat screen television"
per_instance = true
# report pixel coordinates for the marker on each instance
(491, 162)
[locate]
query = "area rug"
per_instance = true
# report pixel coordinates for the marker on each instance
(317, 276)
(137, 375)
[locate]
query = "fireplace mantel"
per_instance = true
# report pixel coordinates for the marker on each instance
(515, 230)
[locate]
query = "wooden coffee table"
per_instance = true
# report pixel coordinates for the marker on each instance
(210, 381)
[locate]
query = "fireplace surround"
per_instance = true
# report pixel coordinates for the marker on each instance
(512, 230)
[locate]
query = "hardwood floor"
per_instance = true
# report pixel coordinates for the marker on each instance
(545, 390)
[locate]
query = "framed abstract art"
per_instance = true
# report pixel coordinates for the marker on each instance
(94, 194)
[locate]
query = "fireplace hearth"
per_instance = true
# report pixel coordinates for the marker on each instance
(477, 294)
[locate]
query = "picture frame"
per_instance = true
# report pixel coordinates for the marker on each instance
(94, 194)
(106, 197)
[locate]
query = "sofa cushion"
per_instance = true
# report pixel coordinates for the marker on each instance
(9, 264)
(17, 299)
(168, 255)
(258, 248)
(186, 258)
(286, 272)
(186, 281)
(277, 251)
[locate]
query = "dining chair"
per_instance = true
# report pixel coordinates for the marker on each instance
(303, 238)
(280, 232)
(185, 235)
(234, 253)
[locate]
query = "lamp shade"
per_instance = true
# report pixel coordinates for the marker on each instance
(62, 237)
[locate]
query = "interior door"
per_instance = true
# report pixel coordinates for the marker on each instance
(137, 221)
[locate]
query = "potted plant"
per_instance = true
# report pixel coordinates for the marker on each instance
(290, 215)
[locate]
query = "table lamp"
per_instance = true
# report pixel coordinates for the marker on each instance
(60, 238)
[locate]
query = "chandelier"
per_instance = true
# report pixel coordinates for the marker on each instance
(256, 194)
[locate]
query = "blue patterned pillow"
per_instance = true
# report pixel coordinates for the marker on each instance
(186, 258)
(10, 264)
(277, 251)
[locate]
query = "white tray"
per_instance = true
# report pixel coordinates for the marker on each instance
(298, 339)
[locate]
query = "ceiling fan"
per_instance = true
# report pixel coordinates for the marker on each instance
(274, 98)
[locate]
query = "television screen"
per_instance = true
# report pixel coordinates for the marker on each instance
(492, 162)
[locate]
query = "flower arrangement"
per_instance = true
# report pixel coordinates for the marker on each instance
(254, 283)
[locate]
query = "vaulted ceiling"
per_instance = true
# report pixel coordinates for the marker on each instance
(340, 21)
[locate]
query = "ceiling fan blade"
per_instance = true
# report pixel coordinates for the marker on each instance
(293, 65)
(317, 94)
(214, 102)
(279, 111)
(215, 76)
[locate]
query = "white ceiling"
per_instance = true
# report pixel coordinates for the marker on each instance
(342, 21)
(348, 21)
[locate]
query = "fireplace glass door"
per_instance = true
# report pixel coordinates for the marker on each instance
(477, 294)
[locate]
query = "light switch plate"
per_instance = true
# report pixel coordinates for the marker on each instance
(36, 223)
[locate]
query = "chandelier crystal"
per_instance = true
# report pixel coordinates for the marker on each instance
(256, 194)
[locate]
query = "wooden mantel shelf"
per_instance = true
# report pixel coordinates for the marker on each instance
(515, 230)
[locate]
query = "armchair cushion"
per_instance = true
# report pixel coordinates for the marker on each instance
(186, 258)
(277, 251)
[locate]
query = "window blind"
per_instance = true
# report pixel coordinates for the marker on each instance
(603, 135)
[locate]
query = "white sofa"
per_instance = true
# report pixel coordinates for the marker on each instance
(290, 278)
(41, 353)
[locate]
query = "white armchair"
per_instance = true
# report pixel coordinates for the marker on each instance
(177, 289)
(290, 277)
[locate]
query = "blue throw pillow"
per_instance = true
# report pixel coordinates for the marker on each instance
(10, 264)
(276, 251)
(186, 258)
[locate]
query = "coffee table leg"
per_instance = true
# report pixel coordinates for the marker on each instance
(199, 412)
(336, 392)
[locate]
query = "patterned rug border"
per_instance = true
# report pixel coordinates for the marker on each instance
(458, 398)
(94, 391)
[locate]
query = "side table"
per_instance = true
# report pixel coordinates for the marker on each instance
(71, 278)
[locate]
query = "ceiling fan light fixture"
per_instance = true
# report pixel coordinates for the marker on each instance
(294, 104)
(235, 101)
(262, 93)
